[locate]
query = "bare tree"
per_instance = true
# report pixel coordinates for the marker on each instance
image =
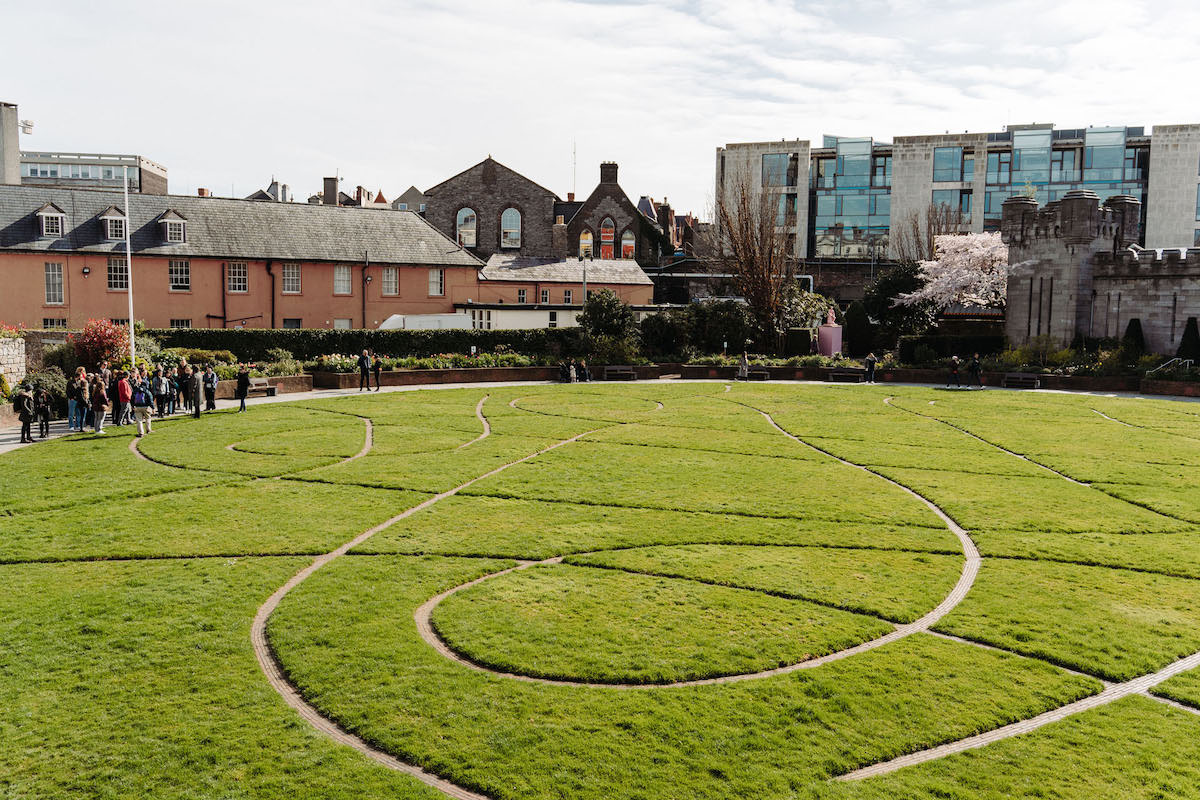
(750, 241)
(913, 235)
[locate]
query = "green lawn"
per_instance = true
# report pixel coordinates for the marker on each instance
(697, 541)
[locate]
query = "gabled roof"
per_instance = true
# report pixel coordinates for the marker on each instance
(379, 198)
(50, 208)
(496, 163)
(260, 195)
(501, 267)
(221, 227)
(112, 212)
(171, 215)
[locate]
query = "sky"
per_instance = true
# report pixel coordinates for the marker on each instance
(386, 95)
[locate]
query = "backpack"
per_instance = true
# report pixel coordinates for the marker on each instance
(140, 396)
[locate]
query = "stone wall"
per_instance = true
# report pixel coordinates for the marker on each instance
(12, 360)
(1171, 194)
(1160, 288)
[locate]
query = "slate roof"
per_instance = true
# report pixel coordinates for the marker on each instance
(501, 267)
(225, 228)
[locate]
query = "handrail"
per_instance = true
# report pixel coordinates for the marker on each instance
(1187, 363)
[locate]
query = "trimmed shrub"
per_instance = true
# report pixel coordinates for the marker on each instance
(945, 346)
(1133, 343)
(857, 330)
(100, 340)
(1189, 344)
(667, 333)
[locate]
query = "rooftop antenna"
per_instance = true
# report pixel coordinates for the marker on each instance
(573, 165)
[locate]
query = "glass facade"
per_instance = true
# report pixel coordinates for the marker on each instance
(850, 201)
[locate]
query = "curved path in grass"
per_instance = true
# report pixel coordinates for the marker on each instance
(487, 426)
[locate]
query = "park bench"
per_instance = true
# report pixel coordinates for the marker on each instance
(847, 375)
(1021, 380)
(261, 385)
(758, 374)
(620, 373)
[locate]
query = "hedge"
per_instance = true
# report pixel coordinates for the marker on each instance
(944, 345)
(252, 344)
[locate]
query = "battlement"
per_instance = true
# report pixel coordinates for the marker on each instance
(1134, 262)
(1076, 219)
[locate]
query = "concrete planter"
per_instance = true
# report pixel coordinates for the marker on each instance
(285, 384)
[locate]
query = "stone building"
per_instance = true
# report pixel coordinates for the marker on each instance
(1076, 271)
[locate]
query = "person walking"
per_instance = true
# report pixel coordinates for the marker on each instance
(743, 370)
(143, 401)
(243, 387)
(121, 393)
(364, 371)
(99, 402)
(975, 370)
(583, 373)
(23, 405)
(954, 376)
(870, 361)
(210, 388)
(196, 391)
(376, 367)
(42, 409)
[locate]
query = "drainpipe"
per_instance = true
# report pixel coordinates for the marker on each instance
(366, 279)
(224, 298)
(272, 274)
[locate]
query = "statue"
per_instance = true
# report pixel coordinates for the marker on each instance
(831, 318)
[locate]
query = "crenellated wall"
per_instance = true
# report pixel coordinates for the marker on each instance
(1159, 287)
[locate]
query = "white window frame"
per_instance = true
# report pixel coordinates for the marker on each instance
(437, 282)
(402, 207)
(53, 224)
(115, 229)
(589, 244)
(510, 238)
(54, 323)
(545, 297)
(299, 323)
(522, 295)
(290, 279)
(459, 230)
(179, 275)
(54, 283)
(553, 320)
(343, 324)
(118, 269)
(176, 230)
(343, 280)
(237, 278)
(390, 282)
(481, 319)
(181, 324)
(566, 296)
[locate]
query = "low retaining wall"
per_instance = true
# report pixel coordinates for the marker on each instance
(287, 384)
(417, 377)
(12, 360)
(1180, 388)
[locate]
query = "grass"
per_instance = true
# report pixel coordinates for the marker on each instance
(897, 586)
(604, 626)
(698, 541)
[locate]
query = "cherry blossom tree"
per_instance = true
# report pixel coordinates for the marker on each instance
(971, 269)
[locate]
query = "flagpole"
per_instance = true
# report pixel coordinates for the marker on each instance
(129, 272)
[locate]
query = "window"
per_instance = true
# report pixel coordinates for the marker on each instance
(179, 275)
(118, 274)
(522, 295)
(947, 163)
(1198, 202)
(422, 208)
(174, 231)
(116, 227)
(342, 324)
(181, 323)
(585, 244)
(608, 234)
(290, 279)
(291, 323)
(545, 295)
(881, 171)
(54, 284)
(628, 244)
(775, 169)
(999, 168)
(391, 281)
(54, 323)
(52, 225)
(237, 279)
(464, 227)
(1063, 166)
(403, 207)
(119, 320)
(553, 320)
(341, 279)
(567, 296)
(481, 319)
(954, 199)
(437, 282)
(510, 228)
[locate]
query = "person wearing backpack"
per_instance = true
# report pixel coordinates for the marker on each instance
(99, 401)
(23, 405)
(143, 401)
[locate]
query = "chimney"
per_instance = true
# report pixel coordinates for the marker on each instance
(608, 172)
(558, 237)
(570, 197)
(10, 150)
(330, 195)
(666, 217)
(358, 195)
(202, 192)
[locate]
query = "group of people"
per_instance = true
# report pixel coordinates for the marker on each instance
(974, 372)
(369, 362)
(133, 397)
(574, 371)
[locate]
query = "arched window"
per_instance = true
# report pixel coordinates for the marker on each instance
(510, 228)
(627, 244)
(608, 235)
(464, 227)
(585, 244)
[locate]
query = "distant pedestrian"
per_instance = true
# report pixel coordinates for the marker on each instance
(743, 370)
(99, 401)
(121, 397)
(364, 371)
(210, 388)
(184, 374)
(23, 406)
(143, 404)
(243, 387)
(161, 387)
(196, 391)
(80, 382)
(42, 409)
(584, 374)
(870, 361)
(954, 376)
(975, 370)
(376, 367)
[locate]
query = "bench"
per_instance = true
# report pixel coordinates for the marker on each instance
(620, 373)
(1021, 380)
(261, 385)
(847, 375)
(758, 374)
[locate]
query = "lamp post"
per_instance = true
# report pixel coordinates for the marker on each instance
(129, 272)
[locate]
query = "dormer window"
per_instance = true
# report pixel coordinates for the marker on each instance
(51, 220)
(113, 220)
(174, 227)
